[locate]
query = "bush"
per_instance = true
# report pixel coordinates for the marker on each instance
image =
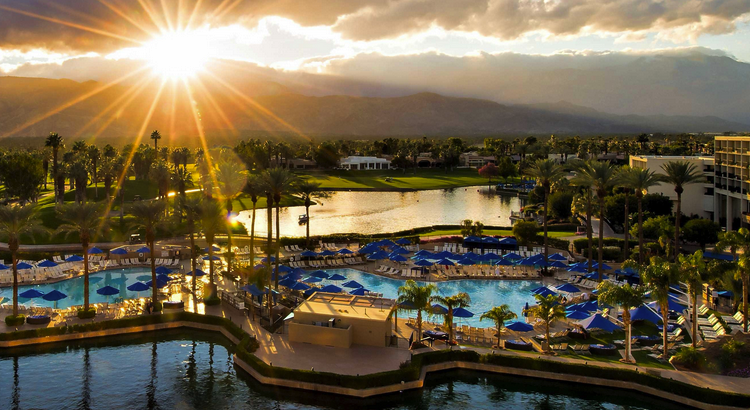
(702, 231)
(560, 204)
(690, 358)
(87, 314)
(212, 301)
(158, 307)
(14, 321)
(525, 231)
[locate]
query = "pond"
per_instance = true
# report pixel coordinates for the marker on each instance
(173, 369)
(379, 212)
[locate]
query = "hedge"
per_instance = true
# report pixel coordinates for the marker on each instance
(556, 243)
(583, 243)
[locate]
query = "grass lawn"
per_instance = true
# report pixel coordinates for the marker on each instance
(490, 232)
(423, 179)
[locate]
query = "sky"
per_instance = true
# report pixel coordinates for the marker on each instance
(308, 35)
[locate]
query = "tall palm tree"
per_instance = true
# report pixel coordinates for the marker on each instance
(156, 137)
(548, 310)
(309, 191)
(659, 274)
(640, 180)
(416, 297)
(149, 216)
(213, 221)
(278, 182)
(626, 297)
(87, 221)
(582, 180)
(603, 176)
(255, 190)
(692, 271)
(459, 300)
(499, 315)
(736, 241)
(94, 157)
(231, 177)
(546, 172)
(15, 223)
(191, 207)
(679, 174)
(55, 142)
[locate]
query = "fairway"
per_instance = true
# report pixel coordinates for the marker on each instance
(398, 179)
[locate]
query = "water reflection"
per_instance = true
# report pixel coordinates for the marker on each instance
(377, 212)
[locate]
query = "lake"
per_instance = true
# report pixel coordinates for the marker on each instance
(380, 212)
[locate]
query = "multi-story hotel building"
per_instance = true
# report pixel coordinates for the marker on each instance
(732, 183)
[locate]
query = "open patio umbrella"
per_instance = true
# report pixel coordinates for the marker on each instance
(159, 284)
(94, 251)
(595, 275)
(143, 249)
(398, 258)
(138, 287)
(215, 248)
(46, 264)
(399, 250)
(198, 273)
(567, 288)
(444, 262)
(503, 262)
(163, 270)
(31, 294)
(423, 263)
(513, 256)
(558, 264)
(308, 254)
(644, 313)
(284, 269)
(327, 252)
(352, 284)
(438, 309)
(378, 255)
(546, 292)
(312, 279)
(386, 242)
(3, 267)
(461, 312)
(577, 315)
(368, 249)
(358, 292)
(54, 296)
(604, 266)
(443, 255)
(118, 251)
(403, 241)
(320, 274)
(163, 278)
(597, 321)
(287, 282)
(24, 265)
(578, 269)
(299, 286)
(331, 289)
(108, 291)
(216, 258)
(337, 277)
(466, 262)
(672, 305)
(520, 327)
(557, 257)
(424, 254)
(344, 251)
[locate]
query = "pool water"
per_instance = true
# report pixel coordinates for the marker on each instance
(176, 370)
(485, 294)
(117, 278)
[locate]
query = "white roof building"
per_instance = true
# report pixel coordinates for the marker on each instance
(364, 163)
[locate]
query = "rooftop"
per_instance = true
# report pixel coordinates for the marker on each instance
(341, 305)
(674, 157)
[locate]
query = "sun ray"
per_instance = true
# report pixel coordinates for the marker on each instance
(166, 15)
(193, 14)
(69, 24)
(201, 135)
(152, 15)
(71, 103)
(204, 91)
(180, 8)
(124, 106)
(127, 18)
(224, 12)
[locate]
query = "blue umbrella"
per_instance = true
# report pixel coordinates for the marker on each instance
(198, 272)
(558, 264)
(439, 309)
(504, 262)
(3, 267)
(24, 265)
(528, 262)
(358, 292)
(644, 313)
(399, 250)
(299, 286)
(513, 256)
(345, 251)
(331, 289)
(672, 306)
(444, 262)
(320, 274)
(287, 282)
(368, 249)
(163, 270)
(253, 290)
(595, 275)
(54, 296)
(591, 306)
(94, 250)
(336, 277)
(295, 275)
(461, 312)
(386, 242)
(264, 260)
(578, 269)
(604, 266)
(46, 264)
(312, 279)
(327, 252)
(163, 278)
(546, 292)
(308, 254)
(143, 278)
(520, 327)
(398, 258)
(577, 315)
(352, 284)
(472, 239)
(598, 322)
(216, 258)
(31, 294)
(214, 247)
(107, 291)
(568, 288)
(299, 271)
(378, 255)
(138, 287)
(423, 263)
(118, 251)
(443, 255)
(557, 257)
(424, 253)
(539, 289)
(403, 241)
(466, 262)
(159, 284)
(283, 269)
(143, 249)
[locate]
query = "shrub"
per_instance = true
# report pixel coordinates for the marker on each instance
(702, 231)
(211, 301)
(158, 307)
(14, 321)
(87, 314)
(525, 231)
(690, 357)
(560, 205)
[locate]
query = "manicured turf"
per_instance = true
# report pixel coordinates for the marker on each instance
(423, 179)
(490, 232)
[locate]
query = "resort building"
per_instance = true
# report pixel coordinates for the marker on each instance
(340, 320)
(364, 163)
(474, 160)
(698, 199)
(732, 158)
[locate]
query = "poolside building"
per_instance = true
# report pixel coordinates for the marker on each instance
(355, 162)
(732, 158)
(340, 320)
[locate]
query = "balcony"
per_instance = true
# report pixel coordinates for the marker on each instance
(746, 217)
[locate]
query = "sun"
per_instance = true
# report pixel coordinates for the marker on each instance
(177, 54)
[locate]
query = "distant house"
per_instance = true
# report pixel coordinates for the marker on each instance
(354, 162)
(301, 163)
(472, 159)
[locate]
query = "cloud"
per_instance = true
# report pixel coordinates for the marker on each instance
(107, 25)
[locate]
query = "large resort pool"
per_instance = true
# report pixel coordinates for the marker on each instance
(173, 369)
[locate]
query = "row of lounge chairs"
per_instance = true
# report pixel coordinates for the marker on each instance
(137, 262)
(326, 263)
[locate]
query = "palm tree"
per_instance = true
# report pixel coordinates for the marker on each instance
(149, 216)
(255, 190)
(582, 180)
(309, 191)
(213, 221)
(156, 137)
(231, 177)
(546, 172)
(55, 142)
(640, 180)
(679, 174)
(16, 222)
(459, 300)
(417, 297)
(692, 270)
(191, 207)
(626, 297)
(277, 182)
(87, 221)
(603, 176)
(499, 315)
(548, 310)
(735, 241)
(659, 274)
(94, 157)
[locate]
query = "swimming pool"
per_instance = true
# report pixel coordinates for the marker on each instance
(117, 278)
(173, 369)
(485, 294)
